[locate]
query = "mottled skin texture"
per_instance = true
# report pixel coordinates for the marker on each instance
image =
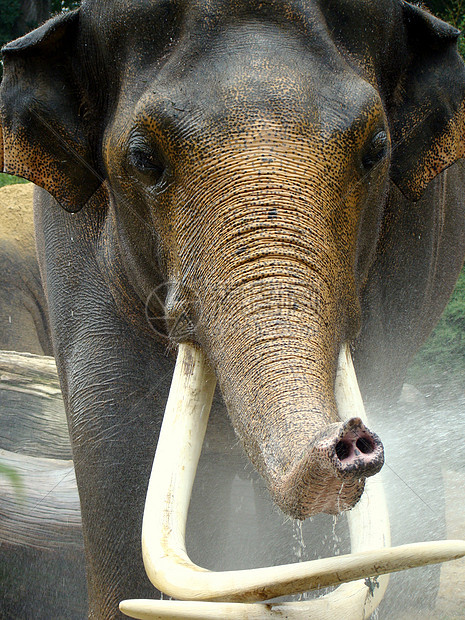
(258, 163)
(23, 310)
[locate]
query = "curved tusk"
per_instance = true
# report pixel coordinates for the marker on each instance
(163, 533)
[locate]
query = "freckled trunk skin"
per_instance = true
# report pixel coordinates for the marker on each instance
(275, 300)
(278, 386)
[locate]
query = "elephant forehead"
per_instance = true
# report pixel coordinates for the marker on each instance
(200, 67)
(148, 31)
(123, 13)
(252, 71)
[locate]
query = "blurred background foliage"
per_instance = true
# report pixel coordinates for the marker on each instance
(7, 179)
(19, 16)
(438, 369)
(452, 11)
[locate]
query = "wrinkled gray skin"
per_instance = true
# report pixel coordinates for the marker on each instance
(69, 102)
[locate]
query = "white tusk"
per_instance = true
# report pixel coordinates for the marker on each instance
(163, 532)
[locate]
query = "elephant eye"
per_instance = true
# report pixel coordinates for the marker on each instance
(376, 151)
(146, 163)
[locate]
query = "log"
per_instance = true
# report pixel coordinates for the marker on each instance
(39, 503)
(41, 511)
(32, 414)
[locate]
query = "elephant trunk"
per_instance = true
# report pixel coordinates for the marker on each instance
(276, 368)
(272, 265)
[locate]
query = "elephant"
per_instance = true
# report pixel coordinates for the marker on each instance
(23, 309)
(269, 181)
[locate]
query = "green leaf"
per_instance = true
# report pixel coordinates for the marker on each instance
(14, 478)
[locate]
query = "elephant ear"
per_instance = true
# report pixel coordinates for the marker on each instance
(427, 112)
(42, 113)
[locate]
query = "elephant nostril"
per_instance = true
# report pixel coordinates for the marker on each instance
(364, 445)
(347, 448)
(342, 450)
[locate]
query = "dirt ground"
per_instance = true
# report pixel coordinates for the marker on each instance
(450, 603)
(16, 212)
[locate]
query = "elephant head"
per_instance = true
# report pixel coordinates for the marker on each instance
(245, 151)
